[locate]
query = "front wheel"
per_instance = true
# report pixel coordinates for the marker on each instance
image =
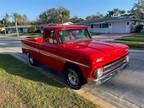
(73, 78)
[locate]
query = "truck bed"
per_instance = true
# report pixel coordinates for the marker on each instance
(30, 43)
(37, 40)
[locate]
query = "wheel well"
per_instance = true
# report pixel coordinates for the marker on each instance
(66, 65)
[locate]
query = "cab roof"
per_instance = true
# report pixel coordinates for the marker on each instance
(65, 27)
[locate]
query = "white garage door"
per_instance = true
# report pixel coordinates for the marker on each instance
(119, 27)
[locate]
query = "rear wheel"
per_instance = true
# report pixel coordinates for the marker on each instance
(32, 61)
(74, 78)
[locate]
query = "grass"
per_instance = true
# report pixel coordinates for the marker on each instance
(133, 37)
(134, 40)
(133, 44)
(24, 87)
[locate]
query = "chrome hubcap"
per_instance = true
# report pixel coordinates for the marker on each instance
(31, 59)
(73, 77)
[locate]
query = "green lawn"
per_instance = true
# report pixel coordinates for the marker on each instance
(133, 37)
(132, 44)
(134, 40)
(24, 87)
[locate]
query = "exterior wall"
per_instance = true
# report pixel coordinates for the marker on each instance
(114, 27)
(12, 29)
(120, 27)
(100, 30)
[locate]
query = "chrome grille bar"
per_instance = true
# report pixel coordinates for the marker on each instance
(115, 64)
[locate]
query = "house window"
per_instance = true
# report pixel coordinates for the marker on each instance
(109, 24)
(92, 26)
(96, 25)
(104, 25)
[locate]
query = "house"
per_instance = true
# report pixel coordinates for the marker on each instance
(12, 29)
(121, 24)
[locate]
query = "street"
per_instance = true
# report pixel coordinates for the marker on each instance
(125, 90)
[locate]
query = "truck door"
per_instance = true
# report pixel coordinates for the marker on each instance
(48, 52)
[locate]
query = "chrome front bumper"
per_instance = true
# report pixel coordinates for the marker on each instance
(103, 79)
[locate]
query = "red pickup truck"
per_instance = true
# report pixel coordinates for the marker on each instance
(71, 49)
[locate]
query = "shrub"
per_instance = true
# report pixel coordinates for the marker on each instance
(37, 31)
(32, 29)
(139, 28)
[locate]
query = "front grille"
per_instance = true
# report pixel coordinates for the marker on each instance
(115, 64)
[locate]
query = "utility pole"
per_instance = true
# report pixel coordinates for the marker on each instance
(4, 26)
(62, 17)
(5, 30)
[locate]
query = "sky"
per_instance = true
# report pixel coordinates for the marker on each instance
(81, 8)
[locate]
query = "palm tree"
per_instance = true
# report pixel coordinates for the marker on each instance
(24, 19)
(138, 9)
(63, 14)
(17, 18)
(5, 20)
(115, 12)
(110, 14)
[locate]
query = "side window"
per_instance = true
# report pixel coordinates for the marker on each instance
(60, 34)
(51, 33)
(51, 39)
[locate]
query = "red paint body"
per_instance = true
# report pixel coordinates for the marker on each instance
(88, 54)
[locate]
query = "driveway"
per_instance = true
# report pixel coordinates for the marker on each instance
(124, 91)
(108, 37)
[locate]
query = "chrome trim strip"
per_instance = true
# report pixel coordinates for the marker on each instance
(53, 55)
(103, 79)
(31, 48)
(114, 64)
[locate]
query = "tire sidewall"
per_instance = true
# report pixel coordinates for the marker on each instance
(79, 76)
(30, 57)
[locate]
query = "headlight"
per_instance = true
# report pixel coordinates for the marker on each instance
(98, 72)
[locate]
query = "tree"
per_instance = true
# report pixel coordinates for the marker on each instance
(139, 28)
(98, 15)
(64, 14)
(115, 12)
(55, 15)
(24, 19)
(21, 19)
(5, 21)
(76, 19)
(138, 9)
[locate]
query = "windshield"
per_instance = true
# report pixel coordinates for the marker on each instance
(73, 34)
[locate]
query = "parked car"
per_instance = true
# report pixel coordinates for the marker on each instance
(70, 49)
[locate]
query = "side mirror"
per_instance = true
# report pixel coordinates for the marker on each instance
(47, 40)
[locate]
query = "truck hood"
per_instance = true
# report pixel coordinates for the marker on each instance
(98, 49)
